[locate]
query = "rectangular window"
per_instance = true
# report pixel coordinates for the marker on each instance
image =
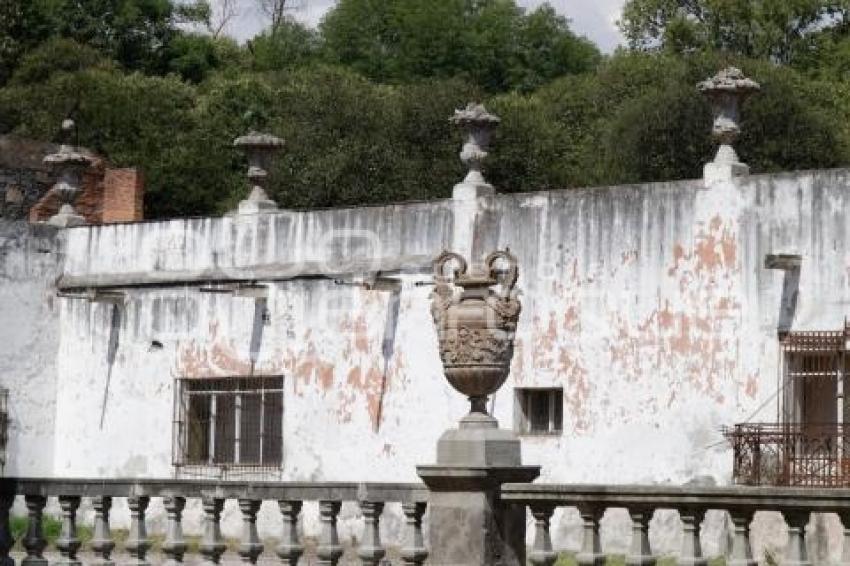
(539, 411)
(813, 377)
(227, 426)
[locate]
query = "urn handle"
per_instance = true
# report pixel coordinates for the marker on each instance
(443, 259)
(510, 278)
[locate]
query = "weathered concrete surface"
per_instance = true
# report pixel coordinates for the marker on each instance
(648, 304)
(30, 260)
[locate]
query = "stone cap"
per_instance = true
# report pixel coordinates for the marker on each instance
(729, 80)
(471, 478)
(258, 140)
(474, 113)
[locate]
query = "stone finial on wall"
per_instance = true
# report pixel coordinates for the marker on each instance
(726, 91)
(260, 149)
(70, 166)
(478, 126)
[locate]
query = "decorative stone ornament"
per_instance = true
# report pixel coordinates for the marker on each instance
(478, 126)
(69, 165)
(726, 91)
(260, 150)
(476, 326)
(476, 314)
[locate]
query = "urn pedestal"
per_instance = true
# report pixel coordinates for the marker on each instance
(476, 323)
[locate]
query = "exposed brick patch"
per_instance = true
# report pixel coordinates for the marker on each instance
(123, 195)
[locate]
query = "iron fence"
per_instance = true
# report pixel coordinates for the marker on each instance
(791, 454)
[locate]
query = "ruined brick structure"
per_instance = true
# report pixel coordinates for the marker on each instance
(108, 194)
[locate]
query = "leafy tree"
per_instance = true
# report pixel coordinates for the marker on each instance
(136, 33)
(58, 55)
(494, 43)
(288, 45)
(769, 29)
(23, 25)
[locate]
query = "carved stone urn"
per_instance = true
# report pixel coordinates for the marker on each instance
(476, 323)
(260, 150)
(727, 91)
(70, 165)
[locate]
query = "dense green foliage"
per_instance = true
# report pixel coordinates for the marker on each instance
(363, 100)
(492, 43)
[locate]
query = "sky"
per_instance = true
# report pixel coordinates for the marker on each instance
(595, 19)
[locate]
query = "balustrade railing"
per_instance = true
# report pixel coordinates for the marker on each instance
(289, 496)
(691, 503)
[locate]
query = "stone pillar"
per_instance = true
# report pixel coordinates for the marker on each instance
(250, 548)
(371, 551)
(289, 550)
(102, 543)
(741, 553)
(469, 524)
(138, 543)
(6, 539)
(413, 551)
(34, 541)
(175, 544)
(68, 542)
(691, 555)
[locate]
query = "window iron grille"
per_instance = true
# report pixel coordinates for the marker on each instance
(229, 428)
(539, 411)
(809, 445)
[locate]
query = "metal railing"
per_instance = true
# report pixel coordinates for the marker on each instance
(691, 503)
(289, 497)
(791, 454)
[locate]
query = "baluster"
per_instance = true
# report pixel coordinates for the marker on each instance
(691, 554)
(414, 553)
(845, 550)
(640, 553)
(68, 543)
(102, 543)
(138, 543)
(250, 548)
(329, 550)
(742, 552)
(6, 539)
(591, 547)
(175, 544)
(289, 550)
(212, 545)
(34, 541)
(371, 550)
(541, 551)
(797, 555)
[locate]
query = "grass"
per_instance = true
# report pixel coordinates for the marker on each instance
(51, 527)
(567, 559)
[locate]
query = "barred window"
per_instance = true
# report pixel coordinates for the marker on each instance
(539, 411)
(229, 425)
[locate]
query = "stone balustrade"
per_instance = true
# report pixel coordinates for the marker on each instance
(691, 503)
(290, 496)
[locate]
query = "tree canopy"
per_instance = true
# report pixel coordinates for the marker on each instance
(776, 30)
(363, 101)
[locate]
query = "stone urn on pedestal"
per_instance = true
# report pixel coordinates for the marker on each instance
(726, 92)
(476, 313)
(260, 150)
(69, 165)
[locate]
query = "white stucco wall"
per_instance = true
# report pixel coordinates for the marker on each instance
(30, 261)
(650, 305)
